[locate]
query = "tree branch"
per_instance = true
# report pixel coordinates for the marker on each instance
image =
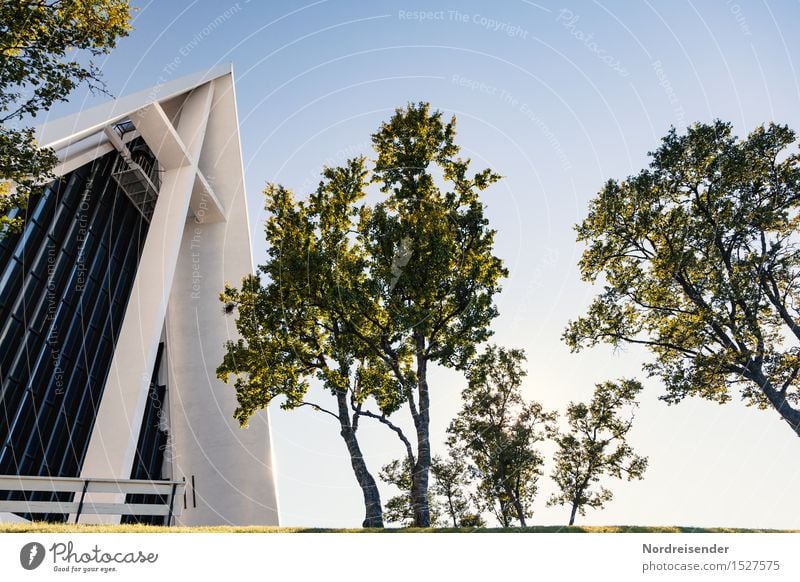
(789, 380)
(772, 292)
(660, 344)
(400, 434)
(320, 409)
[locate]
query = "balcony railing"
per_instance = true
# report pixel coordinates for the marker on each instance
(164, 492)
(137, 172)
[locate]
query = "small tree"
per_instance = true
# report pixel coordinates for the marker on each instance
(498, 432)
(701, 264)
(451, 490)
(449, 498)
(36, 71)
(596, 446)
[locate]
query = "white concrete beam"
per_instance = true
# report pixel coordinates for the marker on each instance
(113, 443)
(205, 204)
(161, 137)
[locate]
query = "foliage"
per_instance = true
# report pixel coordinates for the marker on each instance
(304, 320)
(452, 480)
(37, 39)
(596, 446)
(400, 508)
(448, 499)
(701, 264)
(364, 296)
(498, 432)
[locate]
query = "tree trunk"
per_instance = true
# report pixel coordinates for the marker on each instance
(453, 515)
(778, 399)
(579, 493)
(419, 486)
(505, 519)
(516, 503)
(520, 512)
(372, 498)
(574, 512)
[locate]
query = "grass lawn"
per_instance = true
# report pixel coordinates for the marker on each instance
(42, 527)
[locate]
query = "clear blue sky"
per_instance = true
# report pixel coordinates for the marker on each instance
(557, 97)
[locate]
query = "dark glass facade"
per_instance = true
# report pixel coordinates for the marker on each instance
(65, 281)
(150, 449)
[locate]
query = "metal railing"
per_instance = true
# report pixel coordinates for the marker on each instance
(166, 490)
(136, 170)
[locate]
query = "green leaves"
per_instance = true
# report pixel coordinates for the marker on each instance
(595, 446)
(23, 165)
(499, 432)
(35, 39)
(445, 287)
(449, 500)
(701, 265)
(351, 290)
(37, 69)
(407, 144)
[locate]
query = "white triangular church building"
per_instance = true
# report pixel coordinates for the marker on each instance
(111, 318)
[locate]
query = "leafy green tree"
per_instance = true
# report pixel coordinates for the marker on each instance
(700, 263)
(372, 293)
(448, 497)
(451, 490)
(433, 246)
(596, 446)
(36, 39)
(499, 432)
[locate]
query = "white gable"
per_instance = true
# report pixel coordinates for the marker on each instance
(62, 132)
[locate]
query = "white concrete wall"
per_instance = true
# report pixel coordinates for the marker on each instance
(232, 467)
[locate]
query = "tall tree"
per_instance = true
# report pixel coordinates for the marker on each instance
(398, 286)
(595, 446)
(37, 69)
(432, 250)
(499, 432)
(701, 264)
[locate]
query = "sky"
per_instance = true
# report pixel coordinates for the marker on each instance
(556, 97)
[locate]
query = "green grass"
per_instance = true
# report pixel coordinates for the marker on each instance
(41, 527)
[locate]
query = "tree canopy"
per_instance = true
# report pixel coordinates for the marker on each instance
(38, 67)
(699, 260)
(498, 432)
(595, 446)
(449, 497)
